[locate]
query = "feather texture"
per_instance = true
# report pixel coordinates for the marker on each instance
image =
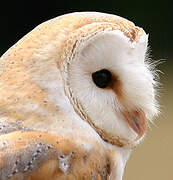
(54, 122)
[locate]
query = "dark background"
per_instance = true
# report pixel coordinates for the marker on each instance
(18, 18)
(153, 158)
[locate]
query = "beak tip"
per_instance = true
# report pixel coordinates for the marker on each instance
(137, 121)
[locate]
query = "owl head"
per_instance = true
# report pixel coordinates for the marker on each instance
(107, 77)
(105, 72)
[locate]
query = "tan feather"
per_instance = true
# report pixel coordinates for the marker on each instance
(39, 138)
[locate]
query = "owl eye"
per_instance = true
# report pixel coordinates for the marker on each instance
(102, 78)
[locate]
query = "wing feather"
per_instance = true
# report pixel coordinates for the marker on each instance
(34, 155)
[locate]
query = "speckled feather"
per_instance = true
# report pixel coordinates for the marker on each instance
(38, 155)
(40, 140)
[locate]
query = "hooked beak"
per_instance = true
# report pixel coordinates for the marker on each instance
(137, 121)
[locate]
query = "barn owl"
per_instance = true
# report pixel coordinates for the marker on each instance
(76, 95)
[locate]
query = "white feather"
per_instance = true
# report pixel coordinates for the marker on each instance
(115, 52)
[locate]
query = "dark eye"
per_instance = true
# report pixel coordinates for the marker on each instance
(102, 78)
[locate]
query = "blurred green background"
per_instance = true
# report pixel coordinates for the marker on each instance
(151, 160)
